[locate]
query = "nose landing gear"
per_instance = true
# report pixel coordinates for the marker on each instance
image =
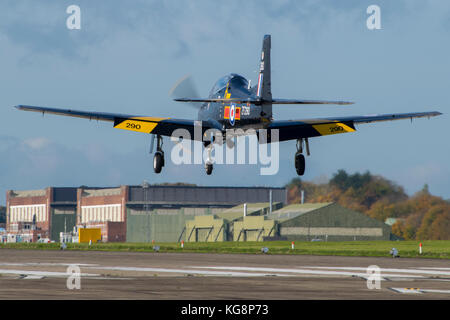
(209, 168)
(209, 162)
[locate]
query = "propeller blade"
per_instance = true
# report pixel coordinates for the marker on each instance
(185, 87)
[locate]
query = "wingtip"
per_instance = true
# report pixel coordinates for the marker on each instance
(436, 113)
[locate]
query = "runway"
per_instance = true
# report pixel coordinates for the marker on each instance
(35, 274)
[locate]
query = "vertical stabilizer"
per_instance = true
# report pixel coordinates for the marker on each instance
(264, 88)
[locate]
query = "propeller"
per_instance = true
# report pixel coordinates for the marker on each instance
(185, 88)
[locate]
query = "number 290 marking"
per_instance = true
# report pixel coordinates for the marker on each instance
(132, 125)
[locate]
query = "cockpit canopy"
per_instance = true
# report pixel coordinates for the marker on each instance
(234, 79)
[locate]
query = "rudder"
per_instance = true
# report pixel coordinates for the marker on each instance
(264, 89)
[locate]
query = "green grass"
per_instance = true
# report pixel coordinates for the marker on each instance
(409, 249)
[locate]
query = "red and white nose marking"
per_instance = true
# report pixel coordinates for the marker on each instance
(232, 113)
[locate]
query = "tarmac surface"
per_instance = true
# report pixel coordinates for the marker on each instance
(47, 274)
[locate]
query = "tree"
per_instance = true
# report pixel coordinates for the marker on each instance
(440, 227)
(421, 217)
(340, 180)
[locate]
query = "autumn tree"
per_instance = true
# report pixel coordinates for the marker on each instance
(420, 217)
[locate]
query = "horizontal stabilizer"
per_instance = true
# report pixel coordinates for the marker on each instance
(260, 101)
(222, 100)
(293, 101)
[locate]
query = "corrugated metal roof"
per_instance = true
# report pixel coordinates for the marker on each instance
(211, 195)
(28, 193)
(101, 192)
(295, 210)
(237, 212)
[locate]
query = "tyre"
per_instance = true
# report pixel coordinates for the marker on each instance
(209, 169)
(158, 162)
(300, 164)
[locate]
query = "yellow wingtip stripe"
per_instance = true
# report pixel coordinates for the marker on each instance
(139, 124)
(332, 128)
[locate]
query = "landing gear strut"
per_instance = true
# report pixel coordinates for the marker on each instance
(209, 163)
(299, 157)
(158, 158)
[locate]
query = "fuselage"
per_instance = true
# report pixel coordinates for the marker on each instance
(238, 114)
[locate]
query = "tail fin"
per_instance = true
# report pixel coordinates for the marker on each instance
(264, 89)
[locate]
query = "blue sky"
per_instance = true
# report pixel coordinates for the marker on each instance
(129, 54)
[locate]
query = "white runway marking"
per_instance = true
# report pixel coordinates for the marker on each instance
(190, 271)
(34, 264)
(406, 274)
(407, 290)
(29, 277)
(418, 290)
(43, 273)
(307, 271)
(434, 291)
(415, 271)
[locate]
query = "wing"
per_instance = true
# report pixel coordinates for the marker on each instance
(296, 129)
(159, 126)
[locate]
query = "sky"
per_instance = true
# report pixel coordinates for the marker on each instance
(128, 55)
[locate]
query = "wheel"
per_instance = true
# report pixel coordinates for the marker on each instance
(300, 164)
(209, 168)
(158, 162)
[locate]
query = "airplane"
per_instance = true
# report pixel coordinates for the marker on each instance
(234, 103)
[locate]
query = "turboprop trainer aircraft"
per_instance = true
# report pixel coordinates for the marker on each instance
(234, 103)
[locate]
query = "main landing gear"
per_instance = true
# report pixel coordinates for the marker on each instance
(158, 158)
(299, 157)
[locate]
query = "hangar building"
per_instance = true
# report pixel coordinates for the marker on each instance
(140, 213)
(328, 222)
(143, 213)
(44, 213)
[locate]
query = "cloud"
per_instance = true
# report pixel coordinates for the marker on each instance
(37, 143)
